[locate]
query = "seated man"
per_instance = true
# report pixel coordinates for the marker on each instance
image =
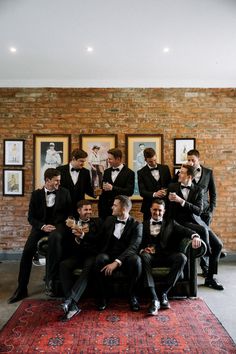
(159, 246)
(48, 210)
(120, 239)
(186, 205)
(83, 252)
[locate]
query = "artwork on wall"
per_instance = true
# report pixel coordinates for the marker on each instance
(181, 147)
(135, 145)
(49, 151)
(13, 182)
(13, 152)
(96, 146)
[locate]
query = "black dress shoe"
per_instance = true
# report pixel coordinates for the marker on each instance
(214, 284)
(154, 307)
(102, 304)
(223, 254)
(204, 272)
(134, 304)
(50, 289)
(73, 310)
(18, 295)
(66, 304)
(164, 302)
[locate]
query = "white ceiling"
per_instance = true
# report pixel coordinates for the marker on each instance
(128, 37)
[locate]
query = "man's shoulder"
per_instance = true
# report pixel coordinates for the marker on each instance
(206, 170)
(63, 168)
(127, 170)
(173, 186)
(143, 170)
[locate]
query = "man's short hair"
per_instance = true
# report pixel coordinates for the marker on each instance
(79, 154)
(83, 202)
(124, 201)
(117, 153)
(158, 201)
(191, 171)
(149, 153)
(50, 173)
(194, 152)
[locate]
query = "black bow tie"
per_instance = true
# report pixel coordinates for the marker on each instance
(115, 169)
(51, 192)
(156, 222)
(120, 222)
(154, 168)
(187, 187)
(75, 169)
(198, 169)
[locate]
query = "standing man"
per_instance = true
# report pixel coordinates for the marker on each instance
(84, 248)
(118, 179)
(120, 239)
(159, 246)
(48, 209)
(76, 178)
(153, 180)
(186, 207)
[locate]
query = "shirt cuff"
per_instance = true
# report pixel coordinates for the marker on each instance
(118, 261)
(182, 203)
(194, 235)
(42, 227)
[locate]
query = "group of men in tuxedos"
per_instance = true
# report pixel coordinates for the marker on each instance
(116, 240)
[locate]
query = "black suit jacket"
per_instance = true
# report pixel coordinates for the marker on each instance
(123, 184)
(131, 236)
(171, 233)
(148, 185)
(38, 208)
(78, 190)
(193, 207)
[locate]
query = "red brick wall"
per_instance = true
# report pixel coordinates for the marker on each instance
(209, 115)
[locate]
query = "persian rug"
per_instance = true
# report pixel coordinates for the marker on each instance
(188, 327)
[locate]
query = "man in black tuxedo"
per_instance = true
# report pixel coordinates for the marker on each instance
(159, 246)
(84, 248)
(120, 239)
(186, 205)
(153, 180)
(48, 209)
(118, 179)
(76, 178)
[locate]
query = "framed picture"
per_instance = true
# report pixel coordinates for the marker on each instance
(13, 182)
(181, 147)
(49, 151)
(13, 152)
(96, 146)
(135, 145)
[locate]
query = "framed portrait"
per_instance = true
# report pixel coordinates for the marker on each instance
(96, 146)
(135, 145)
(13, 152)
(50, 151)
(13, 183)
(181, 147)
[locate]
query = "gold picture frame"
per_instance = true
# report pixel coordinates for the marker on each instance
(49, 151)
(103, 142)
(135, 144)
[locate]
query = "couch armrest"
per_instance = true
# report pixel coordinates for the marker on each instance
(186, 248)
(42, 246)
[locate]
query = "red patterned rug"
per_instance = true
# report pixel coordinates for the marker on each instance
(188, 327)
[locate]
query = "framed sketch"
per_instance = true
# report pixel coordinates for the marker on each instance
(181, 147)
(49, 151)
(13, 182)
(135, 145)
(13, 152)
(96, 146)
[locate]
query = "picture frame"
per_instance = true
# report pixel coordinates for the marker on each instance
(13, 183)
(13, 152)
(96, 146)
(50, 150)
(135, 144)
(181, 147)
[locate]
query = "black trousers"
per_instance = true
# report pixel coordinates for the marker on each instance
(214, 245)
(54, 254)
(132, 267)
(176, 261)
(74, 288)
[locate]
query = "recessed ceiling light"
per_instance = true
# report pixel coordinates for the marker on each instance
(90, 49)
(13, 49)
(166, 50)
